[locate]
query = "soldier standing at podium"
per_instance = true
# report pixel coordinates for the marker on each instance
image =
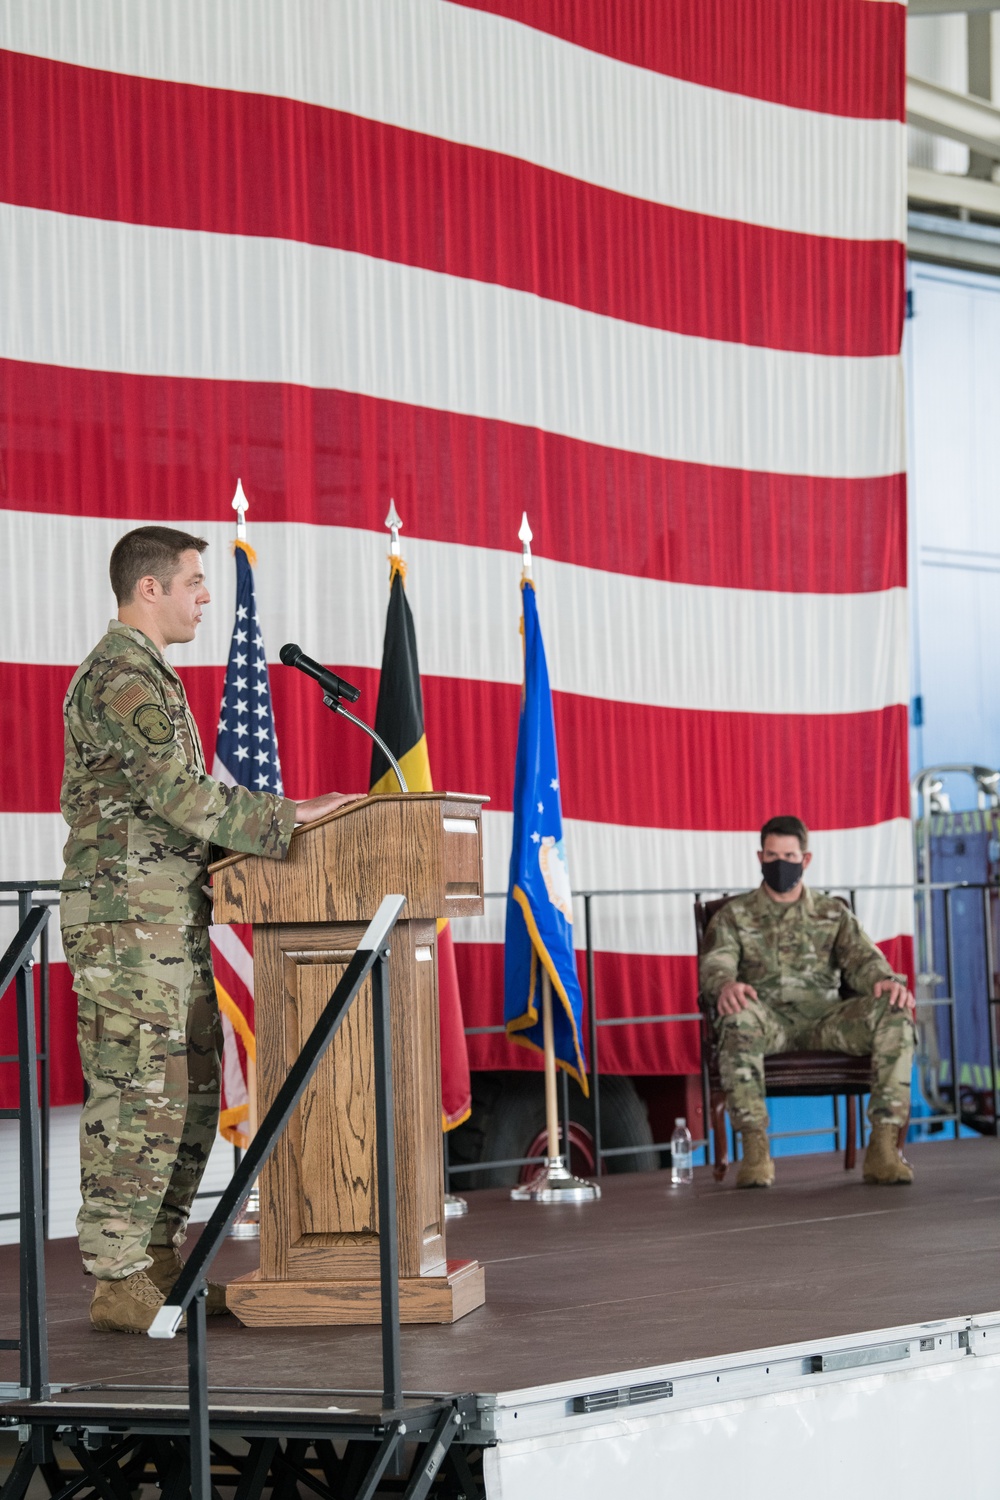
(143, 815)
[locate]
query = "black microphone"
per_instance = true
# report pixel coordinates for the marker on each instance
(294, 656)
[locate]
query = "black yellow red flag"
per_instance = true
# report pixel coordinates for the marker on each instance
(399, 719)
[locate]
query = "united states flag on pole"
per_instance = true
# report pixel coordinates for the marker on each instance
(246, 753)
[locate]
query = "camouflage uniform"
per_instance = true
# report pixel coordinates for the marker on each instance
(143, 815)
(795, 955)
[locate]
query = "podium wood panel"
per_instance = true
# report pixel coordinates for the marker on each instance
(319, 1233)
(319, 1189)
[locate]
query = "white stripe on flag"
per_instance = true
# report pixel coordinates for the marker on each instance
(606, 633)
(82, 292)
(608, 856)
(445, 70)
(234, 1085)
(605, 856)
(222, 773)
(236, 954)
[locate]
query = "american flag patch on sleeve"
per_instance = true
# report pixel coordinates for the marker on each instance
(130, 697)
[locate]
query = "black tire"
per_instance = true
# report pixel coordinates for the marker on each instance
(508, 1113)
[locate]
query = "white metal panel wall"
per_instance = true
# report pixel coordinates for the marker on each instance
(922, 1433)
(953, 360)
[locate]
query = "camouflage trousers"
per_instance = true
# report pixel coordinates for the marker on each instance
(150, 1043)
(863, 1024)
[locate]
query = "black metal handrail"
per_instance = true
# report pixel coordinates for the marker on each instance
(32, 1343)
(189, 1291)
(24, 894)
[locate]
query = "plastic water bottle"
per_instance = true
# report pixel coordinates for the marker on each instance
(681, 1168)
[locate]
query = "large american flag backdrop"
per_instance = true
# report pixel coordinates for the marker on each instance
(634, 266)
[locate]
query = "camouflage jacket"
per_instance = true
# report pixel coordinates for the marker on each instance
(141, 809)
(802, 950)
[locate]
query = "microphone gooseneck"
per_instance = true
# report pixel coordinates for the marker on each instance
(334, 690)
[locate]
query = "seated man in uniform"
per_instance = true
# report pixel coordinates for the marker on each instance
(772, 965)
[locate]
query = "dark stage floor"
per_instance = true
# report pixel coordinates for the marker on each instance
(650, 1275)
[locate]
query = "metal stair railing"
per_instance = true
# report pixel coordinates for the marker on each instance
(189, 1291)
(32, 1343)
(23, 894)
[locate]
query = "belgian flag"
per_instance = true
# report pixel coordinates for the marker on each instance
(399, 719)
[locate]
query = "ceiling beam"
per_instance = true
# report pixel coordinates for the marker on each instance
(948, 7)
(960, 117)
(953, 192)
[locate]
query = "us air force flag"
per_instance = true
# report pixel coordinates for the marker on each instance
(539, 905)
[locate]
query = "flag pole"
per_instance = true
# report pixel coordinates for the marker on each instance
(548, 1030)
(555, 1183)
(246, 1226)
(455, 1206)
(549, 1044)
(241, 505)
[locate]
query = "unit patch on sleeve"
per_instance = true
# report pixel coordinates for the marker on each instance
(153, 724)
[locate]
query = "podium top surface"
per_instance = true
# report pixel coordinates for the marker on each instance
(349, 807)
(426, 846)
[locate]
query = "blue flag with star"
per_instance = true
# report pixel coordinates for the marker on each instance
(539, 901)
(246, 748)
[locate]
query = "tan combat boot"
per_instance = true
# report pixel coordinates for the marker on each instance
(756, 1166)
(884, 1162)
(125, 1306)
(168, 1265)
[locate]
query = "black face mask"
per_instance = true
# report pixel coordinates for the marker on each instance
(782, 874)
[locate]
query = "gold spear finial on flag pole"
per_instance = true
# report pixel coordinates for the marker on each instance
(524, 537)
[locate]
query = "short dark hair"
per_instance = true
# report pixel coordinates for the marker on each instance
(786, 827)
(149, 551)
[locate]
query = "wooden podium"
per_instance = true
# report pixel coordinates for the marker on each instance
(318, 1198)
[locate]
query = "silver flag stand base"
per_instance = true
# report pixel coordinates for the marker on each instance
(246, 1225)
(454, 1206)
(556, 1185)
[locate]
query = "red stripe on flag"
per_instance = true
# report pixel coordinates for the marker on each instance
(626, 984)
(641, 985)
(607, 750)
(456, 1085)
(65, 1075)
(230, 979)
(841, 57)
(110, 146)
(83, 442)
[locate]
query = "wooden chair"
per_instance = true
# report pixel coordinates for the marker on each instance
(786, 1074)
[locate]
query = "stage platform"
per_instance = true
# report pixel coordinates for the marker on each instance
(657, 1305)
